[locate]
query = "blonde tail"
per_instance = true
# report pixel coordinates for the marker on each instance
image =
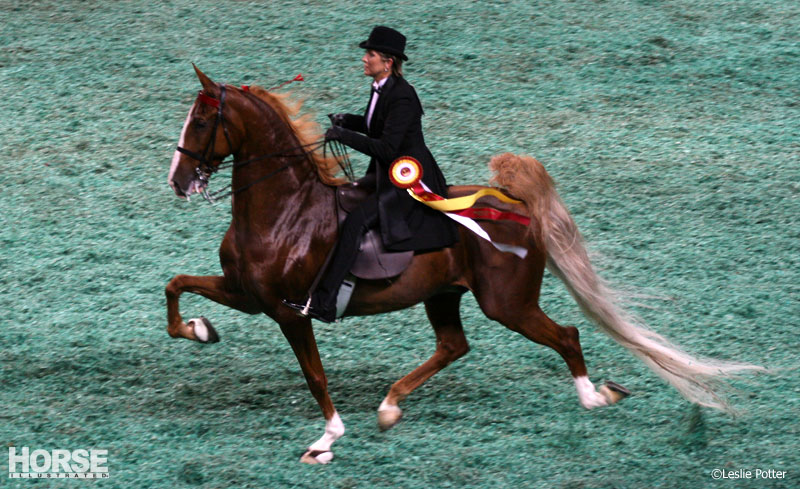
(698, 380)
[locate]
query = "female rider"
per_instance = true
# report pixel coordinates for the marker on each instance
(390, 127)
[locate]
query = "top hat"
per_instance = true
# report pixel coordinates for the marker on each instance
(386, 40)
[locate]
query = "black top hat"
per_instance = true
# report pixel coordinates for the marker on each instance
(386, 40)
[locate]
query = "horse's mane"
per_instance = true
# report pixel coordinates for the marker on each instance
(304, 128)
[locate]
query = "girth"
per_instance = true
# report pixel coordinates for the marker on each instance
(373, 262)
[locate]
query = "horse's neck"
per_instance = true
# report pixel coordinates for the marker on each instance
(277, 193)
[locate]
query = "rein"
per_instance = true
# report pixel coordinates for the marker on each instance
(213, 197)
(206, 169)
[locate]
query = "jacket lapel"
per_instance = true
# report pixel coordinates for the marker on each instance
(369, 101)
(378, 115)
(384, 96)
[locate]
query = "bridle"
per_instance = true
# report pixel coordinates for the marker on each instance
(205, 169)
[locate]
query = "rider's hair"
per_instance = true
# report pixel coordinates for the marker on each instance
(397, 65)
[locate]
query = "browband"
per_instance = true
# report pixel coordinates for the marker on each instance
(208, 100)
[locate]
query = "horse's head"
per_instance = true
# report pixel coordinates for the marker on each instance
(205, 140)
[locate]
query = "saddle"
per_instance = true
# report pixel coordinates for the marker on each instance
(373, 262)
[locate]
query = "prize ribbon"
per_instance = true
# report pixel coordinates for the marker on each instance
(406, 172)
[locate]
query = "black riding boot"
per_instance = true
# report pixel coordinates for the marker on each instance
(323, 298)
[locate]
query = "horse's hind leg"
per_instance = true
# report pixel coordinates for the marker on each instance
(531, 322)
(451, 344)
(214, 288)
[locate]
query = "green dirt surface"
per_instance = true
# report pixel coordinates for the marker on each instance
(671, 127)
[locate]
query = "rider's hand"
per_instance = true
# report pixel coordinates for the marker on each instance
(337, 119)
(334, 134)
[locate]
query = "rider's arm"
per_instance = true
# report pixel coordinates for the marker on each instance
(354, 122)
(401, 114)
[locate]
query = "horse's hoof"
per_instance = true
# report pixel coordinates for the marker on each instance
(613, 392)
(388, 417)
(203, 331)
(314, 457)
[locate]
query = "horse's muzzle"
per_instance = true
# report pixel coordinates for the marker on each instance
(177, 189)
(185, 190)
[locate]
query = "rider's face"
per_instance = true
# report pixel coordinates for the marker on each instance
(375, 66)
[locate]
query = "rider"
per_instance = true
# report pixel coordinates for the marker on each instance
(390, 127)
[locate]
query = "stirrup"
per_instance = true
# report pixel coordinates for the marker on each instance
(302, 310)
(306, 308)
(306, 311)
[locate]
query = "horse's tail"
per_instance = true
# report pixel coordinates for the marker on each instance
(698, 380)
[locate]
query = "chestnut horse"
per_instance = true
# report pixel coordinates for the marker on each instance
(284, 224)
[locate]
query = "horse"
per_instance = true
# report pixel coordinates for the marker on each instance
(284, 224)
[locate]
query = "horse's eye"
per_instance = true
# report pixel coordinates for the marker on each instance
(200, 124)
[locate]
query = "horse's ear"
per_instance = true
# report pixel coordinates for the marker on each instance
(208, 85)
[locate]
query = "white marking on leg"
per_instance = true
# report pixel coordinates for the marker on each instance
(177, 156)
(388, 414)
(387, 407)
(200, 330)
(587, 395)
(334, 429)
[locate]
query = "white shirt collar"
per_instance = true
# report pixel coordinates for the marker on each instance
(378, 84)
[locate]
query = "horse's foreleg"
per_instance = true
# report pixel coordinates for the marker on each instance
(214, 288)
(300, 335)
(451, 344)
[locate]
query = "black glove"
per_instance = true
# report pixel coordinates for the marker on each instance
(334, 133)
(337, 119)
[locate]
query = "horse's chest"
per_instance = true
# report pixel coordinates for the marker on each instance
(262, 266)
